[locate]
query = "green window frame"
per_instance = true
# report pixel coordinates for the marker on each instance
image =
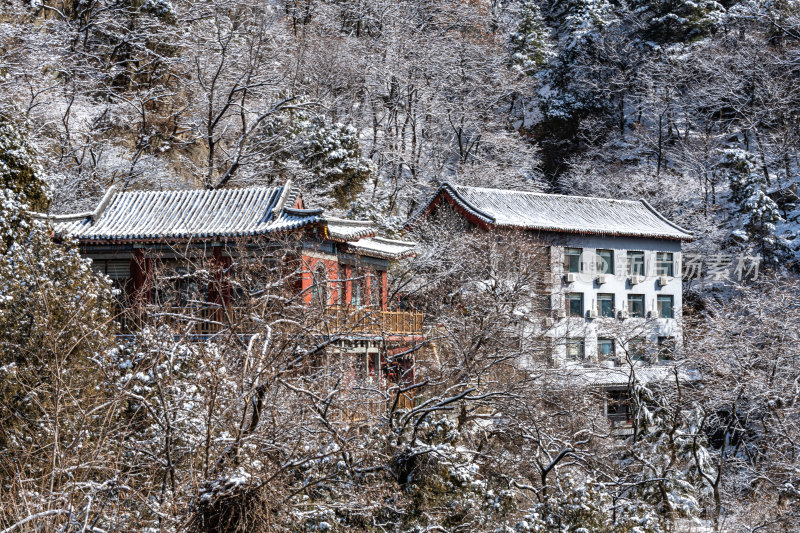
(605, 304)
(576, 349)
(636, 305)
(665, 264)
(637, 349)
(574, 303)
(605, 349)
(605, 261)
(572, 260)
(636, 263)
(666, 306)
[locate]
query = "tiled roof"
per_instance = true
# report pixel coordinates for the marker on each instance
(560, 213)
(348, 230)
(380, 247)
(187, 214)
(200, 214)
(622, 376)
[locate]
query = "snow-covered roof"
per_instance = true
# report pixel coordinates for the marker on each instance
(621, 376)
(188, 214)
(348, 230)
(201, 214)
(556, 212)
(380, 247)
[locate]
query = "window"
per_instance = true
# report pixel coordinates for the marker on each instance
(575, 349)
(605, 349)
(605, 304)
(572, 259)
(664, 264)
(319, 285)
(666, 348)
(605, 261)
(357, 294)
(636, 263)
(636, 349)
(374, 289)
(574, 304)
(665, 305)
(618, 407)
(636, 305)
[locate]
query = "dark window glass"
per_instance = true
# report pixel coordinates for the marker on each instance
(357, 294)
(636, 305)
(605, 304)
(618, 407)
(636, 263)
(605, 262)
(666, 348)
(575, 349)
(572, 259)
(575, 304)
(636, 349)
(605, 349)
(665, 304)
(664, 264)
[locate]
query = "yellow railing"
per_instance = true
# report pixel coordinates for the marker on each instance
(373, 321)
(212, 320)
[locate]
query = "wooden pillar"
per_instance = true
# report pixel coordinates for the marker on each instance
(219, 290)
(306, 278)
(384, 281)
(141, 272)
(348, 285)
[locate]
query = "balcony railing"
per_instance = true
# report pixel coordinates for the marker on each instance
(204, 321)
(373, 321)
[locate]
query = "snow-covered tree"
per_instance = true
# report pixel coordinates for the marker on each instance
(529, 42)
(20, 172)
(56, 325)
(587, 507)
(748, 193)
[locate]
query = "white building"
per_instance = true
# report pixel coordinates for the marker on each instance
(615, 272)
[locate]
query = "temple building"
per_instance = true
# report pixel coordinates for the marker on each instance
(158, 248)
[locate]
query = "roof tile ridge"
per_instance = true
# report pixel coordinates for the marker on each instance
(287, 190)
(540, 193)
(665, 219)
(453, 190)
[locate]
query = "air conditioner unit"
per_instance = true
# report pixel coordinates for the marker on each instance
(570, 277)
(561, 313)
(662, 281)
(602, 278)
(623, 314)
(636, 279)
(592, 313)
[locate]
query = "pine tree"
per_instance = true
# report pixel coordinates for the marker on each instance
(679, 21)
(748, 186)
(19, 171)
(528, 44)
(325, 158)
(55, 322)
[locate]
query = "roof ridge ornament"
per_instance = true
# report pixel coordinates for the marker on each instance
(287, 190)
(101, 207)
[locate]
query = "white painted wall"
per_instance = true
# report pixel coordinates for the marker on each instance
(620, 285)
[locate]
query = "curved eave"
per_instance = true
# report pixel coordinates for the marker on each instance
(349, 237)
(481, 218)
(186, 237)
(380, 255)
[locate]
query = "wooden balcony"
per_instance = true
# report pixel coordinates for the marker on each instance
(368, 321)
(207, 321)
